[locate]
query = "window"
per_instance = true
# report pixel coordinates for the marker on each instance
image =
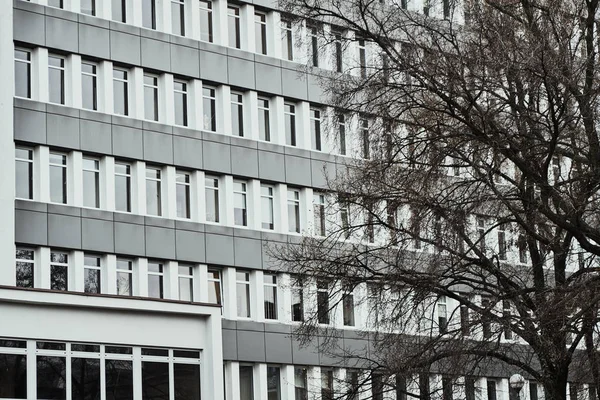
(424, 387)
(51, 377)
(447, 388)
(502, 242)
(442, 315)
(401, 388)
(266, 198)
(155, 279)
(153, 188)
(24, 173)
(313, 35)
(315, 128)
(88, 7)
(293, 202)
(243, 293)
(56, 79)
(149, 14)
(260, 32)
(326, 384)
(274, 383)
(206, 23)
(469, 388)
(91, 182)
(289, 111)
(155, 380)
(59, 271)
(91, 274)
(246, 382)
(186, 282)
(151, 97)
(485, 319)
(89, 86)
(362, 58)
(491, 389)
(592, 392)
(506, 316)
(323, 301)
(446, 7)
(338, 54)
(300, 383)
(25, 267)
(181, 104)
(233, 23)
(237, 114)
(58, 178)
(481, 233)
(183, 194)
(120, 92)
(365, 139)
(23, 73)
(297, 304)
(319, 213)
(124, 277)
(119, 378)
(122, 187)
(352, 383)
(377, 386)
(119, 10)
(348, 308)
(240, 210)
(178, 17)
(522, 244)
(85, 377)
(55, 3)
(533, 391)
(341, 137)
(208, 109)
(465, 321)
(13, 373)
(287, 48)
(214, 286)
(345, 218)
(264, 124)
(211, 190)
(270, 286)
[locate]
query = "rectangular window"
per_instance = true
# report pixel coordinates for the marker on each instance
(293, 202)
(153, 189)
(243, 294)
(507, 319)
(260, 32)
(211, 190)
(502, 242)
(183, 194)
(240, 207)
(89, 86)
(149, 14)
(465, 321)
(155, 380)
(297, 304)
(313, 37)
(442, 315)
(341, 137)
(124, 277)
(151, 97)
(348, 308)
(51, 377)
(25, 267)
(237, 114)
(58, 178)
(13, 372)
(533, 391)
(122, 187)
(300, 383)
(401, 388)
(362, 58)
(522, 245)
(267, 214)
(377, 386)
(181, 103)
(323, 301)
(155, 280)
(56, 79)
(246, 382)
(469, 388)
(365, 139)
(287, 47)
(92, 272)
(424, 387)
(592, 392)
(274, 382)
(120, 91)
(208, 109)
(481, 234)
(270, 286)
(119, 379)
(119, 10)
(289, 111)
(491, 389)
(59, 271)
(24, 173)
(214, 286)
(55, 3)
(91, 182)
(315, 128)
(264, 124)
(485, 319)
(85, 377)
(88, 7)
(326, 384)
(447, 388)
(23, 73)
(178, 17)
(319, 213)
(233, 23)
(345, 218)
(338, 54)
(186, 282)
(206, 22)
(353, 385)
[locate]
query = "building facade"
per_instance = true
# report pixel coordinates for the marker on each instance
(158, 148)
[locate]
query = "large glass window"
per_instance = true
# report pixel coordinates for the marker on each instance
(119, 10)
(442, 314)
(155, 280)
(246, 382)
(287, 47)
(178, 17)
(362, 58)
(186, 282)
(122, 186)
(183, 194)
(91, 182)
(211, 189)
(181, 103)
(59, 271)
(208, 109)
(240, 210)
(13, 376)
(338, 51)
(491, 389)
(348, 308)
(264, 124)
(233, 23)
(120, 88)
(23, 73)
(149, 14)
(56, 79)
(326, 384)
(319, 213)
(206, 23)
(119, 379)
(274, 382)
(300, 383)
(24, 173)
(352, 382)
(51, 377)
(323, 301)
(89, 85)
(124, 277)
(24, 269)
(243, 294)
(186, 381)
(270, 286)
(92, 272)
(297, 303)
(315, 128)
(155, 380)
(260, 32)
(58, 178)
(313, 37)
(293, 202)
(365, 138)
(151, 97)
(153, 189)
(214, 286)
(85, 378)
(267, 214)
(289, 111)
(237, 114)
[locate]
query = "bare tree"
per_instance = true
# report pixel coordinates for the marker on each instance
(477, 184)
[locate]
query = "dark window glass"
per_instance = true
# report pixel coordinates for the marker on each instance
(338, 52)
(119, 11)
(85, 379)
(121, 103)
(88, 348)
(206, 24)
(323, 302)
(348, 303)
(377, 386)
(17, 344)
(533, 391)
(149, 14)
(243, 294)
(24, 173)
(58, 178)
(56, 79)
(186, 283)
(88, 7)
(25, 268)
(180, 95)
(58, 271)
(23, 73)
(214, 286)
(293, 211)
(273, 383)
(186, 381)
(118, 350)
(186, 353)
(178, 17)
(300, 383)
(447, 388)
(55, 3)
(13, 376)
(246, 383)
(400, 387)
(469, 388)
(270, 289)
(424, 387)
(315, 128)
(314, 45)
(267, 214)
(287, 48)
(119, 379)
(240, 209)
(341, 134)
(51, 346)
(233, 23)
(155, 352)
(124, 277)
(327, 384)
(51, 377)
(155, 381)
(491, 389)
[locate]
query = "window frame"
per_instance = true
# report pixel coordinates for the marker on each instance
(158, 181)
(294, 202)
(216, 194)
(128, 176)
(207, 9)
(154, 87)
(94, 80)
(124, 81)
(183, 93)
(96, 173)
(29, 261)
(63, 69)
(233, 16)
(210, 99)
(187, 184)
(29, 67)
(30, 171)
(265, 111)
(260, 32)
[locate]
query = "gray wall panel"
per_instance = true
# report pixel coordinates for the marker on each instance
(306, 353)
(248, 252)
(64, 231)
(279, 348)
(130, 239)
(240, 72)
(125, 48)
(94, 41)
(190, 246)
(219, 249)
(160, 242)
(297, 171)
(213, 66)
(217, 157)
(185, 61)
(62, 131)
(316, 91)
(97, 235)
(229, 344)
(321, 171)
(62, 34)
(244, 161)
(294, 84)
(271, 166)
(30, 125)
(31, 227)
(187, 152)
(251, 346)
(158, 147)
(268, 78)
(155, 54)
(29, 27)
(127, 142)
(95, 136)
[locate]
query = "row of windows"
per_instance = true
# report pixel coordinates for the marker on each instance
(89, 371)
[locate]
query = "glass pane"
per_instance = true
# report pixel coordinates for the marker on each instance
(51, 378)
(58, 184)
(118, 10)
(123, 193)
(187, 381)
(85, 378)
(119, 379)
(24, 179)
(155, 286)
(233, 23)
(124, 282)
(246, 383)
(120, 96)
(58, 277)
(151, 103)
(153, 201)
(155, 381)
(243, 300)
(91, 188)
(88, 7)
(186, 289)
(270, 302)
(208, 108)
(24, 274)
(273, 383)
(13, 376)
(206, 21)
(177, 18)
(181, 109)
(89, 91)
(56, 80)
(148, 14)
(92, 280)
(23, 76)
(183, 201)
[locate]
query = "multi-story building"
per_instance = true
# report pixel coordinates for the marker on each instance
(157, 150)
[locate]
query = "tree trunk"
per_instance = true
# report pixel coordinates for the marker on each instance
(555, 385)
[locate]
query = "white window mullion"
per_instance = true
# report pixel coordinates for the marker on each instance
(73, 81)
(109, 284)
(75, 179)
(257, 296)
(137, 93)
(76, 275)
(138, 188)
(169, 192)
(195, 120)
